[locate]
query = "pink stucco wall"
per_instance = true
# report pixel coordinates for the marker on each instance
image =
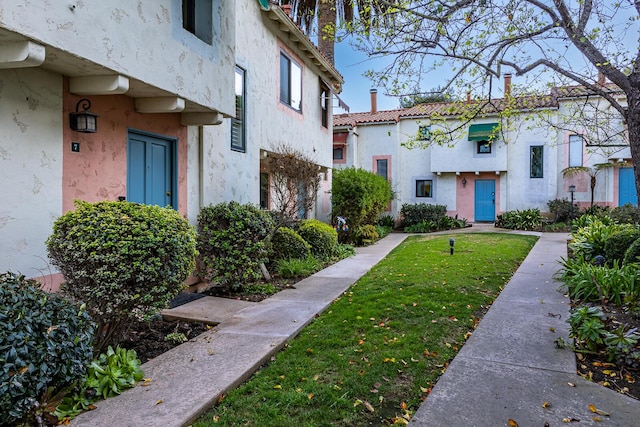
(99, 170)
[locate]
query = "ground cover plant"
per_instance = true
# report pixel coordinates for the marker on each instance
(374, 355)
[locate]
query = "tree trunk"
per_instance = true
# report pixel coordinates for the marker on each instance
(633, 127)
(326, 24)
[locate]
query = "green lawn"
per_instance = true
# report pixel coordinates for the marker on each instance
(373, 356)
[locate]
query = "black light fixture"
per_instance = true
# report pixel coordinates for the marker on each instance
(83, 121)
(572, 189)
(464, 182)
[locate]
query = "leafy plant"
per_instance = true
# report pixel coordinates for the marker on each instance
(295, 267)
(231, 242)
(387, 221)
(586, 220)
(587, 326)
(632, 254)
(589, 240)
(114, 371)
(322, 237)
(122, 259)
(561, 210)
(421, 227)
(45, 346)
(528, 219)
(383, 231)
(343, 250)
(176, 337)
(365, 235)
(621, 345)
(287, 243)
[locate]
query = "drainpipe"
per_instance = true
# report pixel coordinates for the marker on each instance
(200, 167)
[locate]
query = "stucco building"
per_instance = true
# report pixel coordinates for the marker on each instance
(188, 97)
(509, 155)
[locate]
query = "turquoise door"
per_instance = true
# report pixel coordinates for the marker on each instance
(485, 200)
(627, 187)
(150, 170)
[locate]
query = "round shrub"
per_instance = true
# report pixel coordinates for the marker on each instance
(123, 260)
(287, 244)
(322, 237)
(633, 253)
(366, 234)
(231, 242)
(45, 341)
(626, 214)
(616, 245)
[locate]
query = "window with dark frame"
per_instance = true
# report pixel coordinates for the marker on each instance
(324, 104)
(424, 133)
(197, 19)
(238, 127)
(338, 153)
(537, 162)
(290, 82)
(484, 147)
(424, 188)
(264, 190)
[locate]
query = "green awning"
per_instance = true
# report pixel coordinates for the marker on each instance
(483, 132)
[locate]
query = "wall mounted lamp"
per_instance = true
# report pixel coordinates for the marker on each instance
(83, 121)
(464, 182)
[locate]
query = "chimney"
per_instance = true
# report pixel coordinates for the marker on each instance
(469, 97)
(507, 85)
(286, 8)
(374, 100)
(601, 79)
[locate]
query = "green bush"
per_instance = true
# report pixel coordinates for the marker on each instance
(589, 240)
(627, 214)
(383, 231)
(632, 254)
(616, 245)
(123, 260)
(387, 221)
(231, 242)
(45, 342)
(421, 212)
(322, 237)
(359, 196)
(421, 227)
(561, 210)
(342, 251)
(527, 219)
(366, 234)
(286, 244)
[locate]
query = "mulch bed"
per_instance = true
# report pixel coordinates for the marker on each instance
(599, 369)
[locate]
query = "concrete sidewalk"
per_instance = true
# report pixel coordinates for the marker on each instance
(510, 366)
(507, 369)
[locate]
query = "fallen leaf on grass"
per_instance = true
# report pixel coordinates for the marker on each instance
(369, 407)
(399, 421)
(310, 396)
(277, 386)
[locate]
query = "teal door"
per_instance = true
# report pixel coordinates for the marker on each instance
(485, 200)
(627, 187)
(151, 170)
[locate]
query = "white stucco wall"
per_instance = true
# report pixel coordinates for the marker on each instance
(31, 164)
(142, 40)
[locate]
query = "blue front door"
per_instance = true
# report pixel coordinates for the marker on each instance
(150, 170)
(485, 200)
(627, 187)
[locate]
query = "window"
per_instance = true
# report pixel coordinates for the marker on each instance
(325, 95)
(424, 133)
(290, 82)
(575, 150)
(424, 188)
(197, 19)
(381, 168)
(338, 153)
(536, 164)
(484, 147)
(264, 190)
(238, 138)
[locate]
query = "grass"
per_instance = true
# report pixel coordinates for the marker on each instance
(374, 355)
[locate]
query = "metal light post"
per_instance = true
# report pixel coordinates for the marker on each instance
(572, 189)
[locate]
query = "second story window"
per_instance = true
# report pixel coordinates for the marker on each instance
(424, 133)
(536, 163)
(197, 18)
(238, 138)
(290, 82)
(324, 104)
(484, 147)
(575, 150)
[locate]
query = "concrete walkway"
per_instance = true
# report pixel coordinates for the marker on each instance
(507, 369)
